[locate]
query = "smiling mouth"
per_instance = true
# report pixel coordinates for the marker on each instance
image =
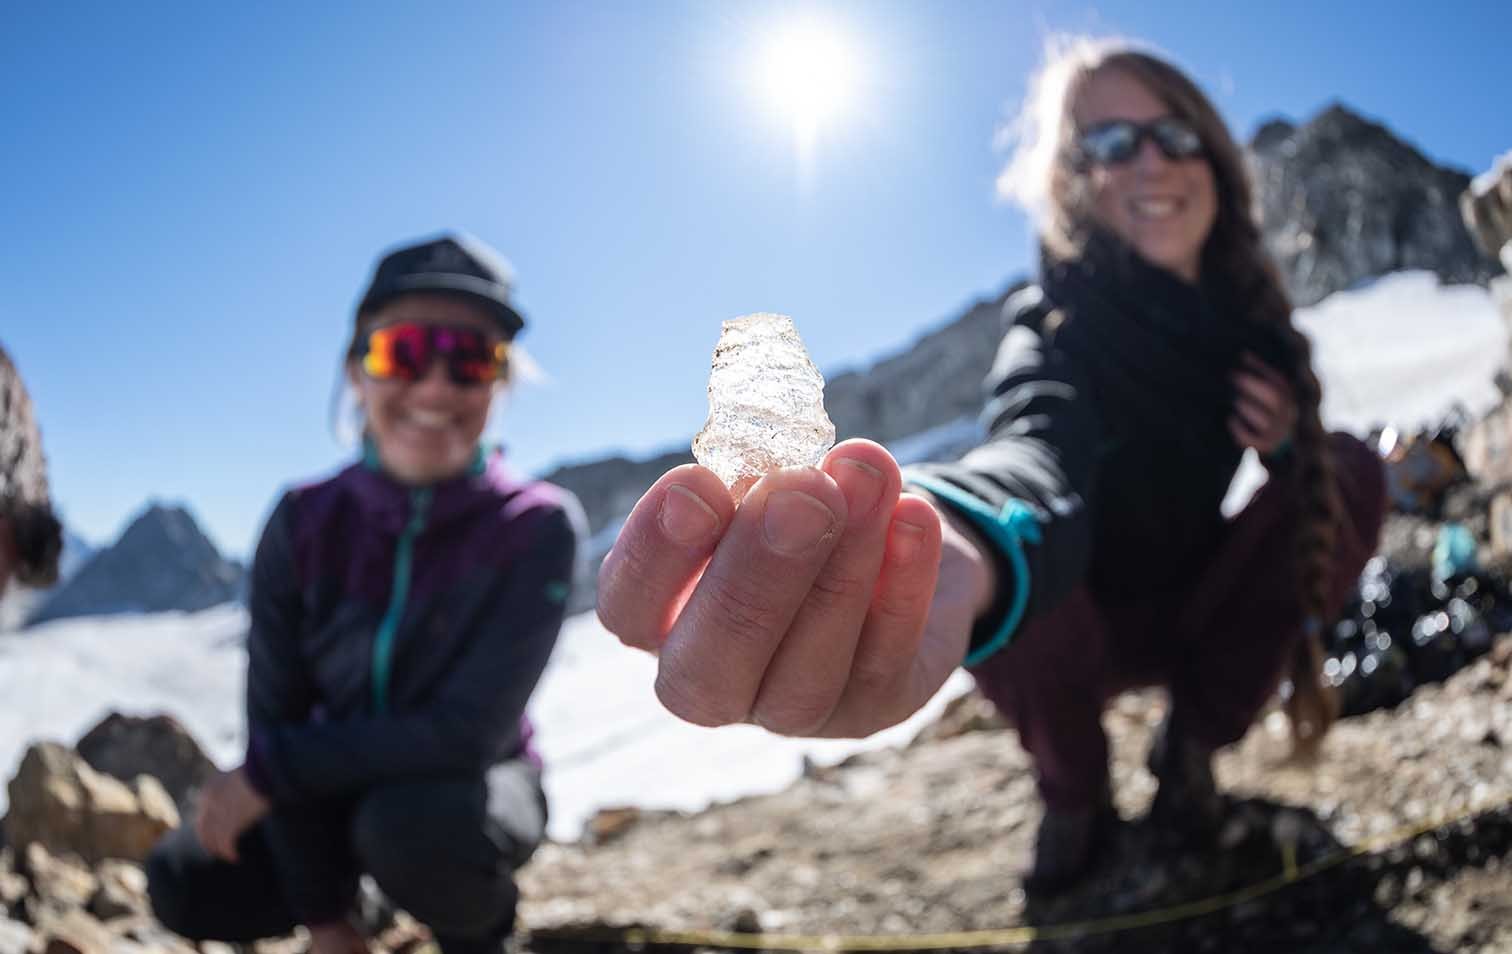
(1154, 209)
(427, 421)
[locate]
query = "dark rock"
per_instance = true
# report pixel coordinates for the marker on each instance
(1344, 200)
(124, 747)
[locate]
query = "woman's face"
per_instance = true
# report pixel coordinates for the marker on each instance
(1163, 208)
(425, 430)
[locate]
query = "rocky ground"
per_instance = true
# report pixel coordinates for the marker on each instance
(929, 840)
(1399, 838)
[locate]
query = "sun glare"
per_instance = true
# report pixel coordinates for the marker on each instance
(808, 74)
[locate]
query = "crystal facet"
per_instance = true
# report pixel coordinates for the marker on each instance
(766, 403)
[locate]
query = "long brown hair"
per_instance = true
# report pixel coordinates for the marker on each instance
(1044, 177)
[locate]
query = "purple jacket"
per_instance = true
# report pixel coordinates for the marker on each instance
(398, 632)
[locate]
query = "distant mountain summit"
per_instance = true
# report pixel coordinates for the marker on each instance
(162, 562)
(1342, 200)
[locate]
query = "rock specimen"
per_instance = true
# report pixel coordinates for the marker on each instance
(766, 403)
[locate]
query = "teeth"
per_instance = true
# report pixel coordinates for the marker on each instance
(1154, 208)
(427, 419)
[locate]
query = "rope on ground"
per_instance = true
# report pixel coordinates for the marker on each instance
(1027, 934)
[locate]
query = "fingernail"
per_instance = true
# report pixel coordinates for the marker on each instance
(861, 483)
(906, 540)
(684, 517)
(794, 521)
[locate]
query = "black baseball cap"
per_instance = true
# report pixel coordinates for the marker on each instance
(454, 263)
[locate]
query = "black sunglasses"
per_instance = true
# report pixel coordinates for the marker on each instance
(1118, 140)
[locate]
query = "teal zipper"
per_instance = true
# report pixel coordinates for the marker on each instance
(404, 556)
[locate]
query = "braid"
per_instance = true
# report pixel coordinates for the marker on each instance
(1311, 707)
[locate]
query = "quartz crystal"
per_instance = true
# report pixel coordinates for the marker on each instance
(766, 403)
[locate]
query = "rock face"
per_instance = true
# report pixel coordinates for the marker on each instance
(1487, 207)
(61, 804)
(1343, 200)
(23, 469)
(162, 562)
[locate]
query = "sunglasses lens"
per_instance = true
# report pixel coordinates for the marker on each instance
(471, 358)
(1112, 142)
(1176, 139)
(404, 353)
(399, 352)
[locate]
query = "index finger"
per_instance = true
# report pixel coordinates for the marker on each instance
(659, 553)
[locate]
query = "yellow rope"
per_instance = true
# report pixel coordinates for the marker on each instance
(1006, 937)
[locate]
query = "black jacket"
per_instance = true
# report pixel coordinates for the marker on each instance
(396, 633)
(1106, 415)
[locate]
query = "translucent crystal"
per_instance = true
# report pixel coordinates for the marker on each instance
(766, 403)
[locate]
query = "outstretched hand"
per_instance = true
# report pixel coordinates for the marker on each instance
(827, 604)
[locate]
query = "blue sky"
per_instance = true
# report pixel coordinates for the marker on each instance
(193, 195)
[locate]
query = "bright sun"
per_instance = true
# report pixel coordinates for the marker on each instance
(808, 75)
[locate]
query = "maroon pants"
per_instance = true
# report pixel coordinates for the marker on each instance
(1220, 644)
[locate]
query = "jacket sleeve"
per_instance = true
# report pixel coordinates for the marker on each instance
(311, 864)
(1028, 487)
(477, 709)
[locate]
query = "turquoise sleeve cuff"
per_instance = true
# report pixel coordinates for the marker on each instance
(1008, 530)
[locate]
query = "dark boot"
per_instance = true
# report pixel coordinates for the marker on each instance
(1068, 845)
(1187, 801)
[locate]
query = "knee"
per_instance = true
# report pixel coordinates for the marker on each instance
(425, 845)
(167, 890)
(1361, 478)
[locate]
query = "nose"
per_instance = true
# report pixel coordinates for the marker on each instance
(1149, 158)
(435, 378)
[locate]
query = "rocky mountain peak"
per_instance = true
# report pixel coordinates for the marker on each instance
(1343, 200)
(163, 561)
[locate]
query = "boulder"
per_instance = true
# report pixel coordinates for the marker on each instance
(124, 747)
(59, 802)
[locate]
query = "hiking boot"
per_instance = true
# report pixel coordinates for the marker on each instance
(1067, 846)
(1187, 801)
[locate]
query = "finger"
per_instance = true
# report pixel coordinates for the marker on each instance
(717, 651)
(204, 832)
(1244, 436)
(1270, 426)
(212, 836)
(661, 549)
(884, 687)
(1260, 391)
(808, 672)
(1256, 416)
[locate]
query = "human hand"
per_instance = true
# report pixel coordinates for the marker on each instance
(228, 806)
(337, 937)
(812, 609)
(1265, 409)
